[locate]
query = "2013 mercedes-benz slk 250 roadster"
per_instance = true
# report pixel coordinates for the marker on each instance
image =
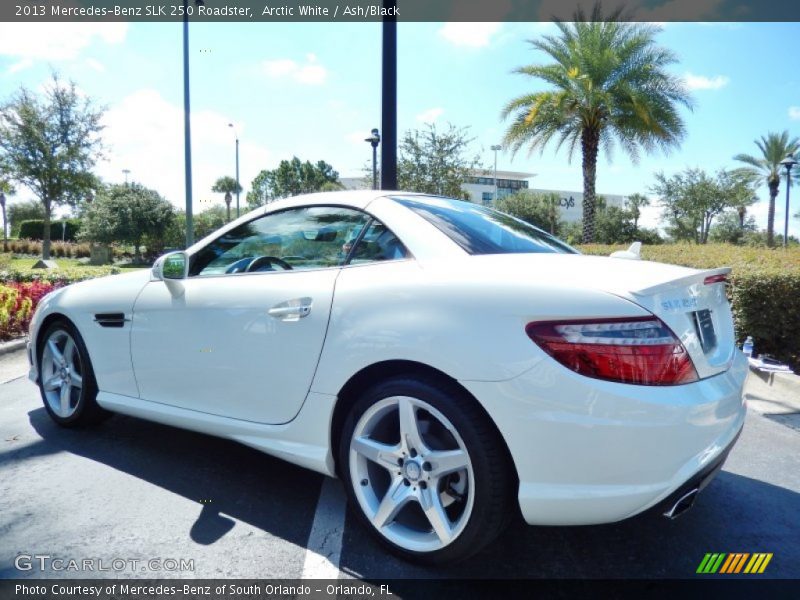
(451, 364)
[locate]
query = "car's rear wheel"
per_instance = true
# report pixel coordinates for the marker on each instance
(66, 378)
(425, 470)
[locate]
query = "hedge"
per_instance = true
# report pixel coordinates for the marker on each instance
(33, 229)
(58, 249)
(764, 290)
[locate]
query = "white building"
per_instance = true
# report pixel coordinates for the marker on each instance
(480, 187)
(571, 203)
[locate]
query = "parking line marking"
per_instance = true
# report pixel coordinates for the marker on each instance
(324, 548)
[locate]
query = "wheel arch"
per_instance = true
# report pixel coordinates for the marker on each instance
(372, 374)
(43, 326)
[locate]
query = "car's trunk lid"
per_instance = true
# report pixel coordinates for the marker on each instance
(692, 302)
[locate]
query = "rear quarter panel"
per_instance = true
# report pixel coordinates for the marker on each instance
(470, 327)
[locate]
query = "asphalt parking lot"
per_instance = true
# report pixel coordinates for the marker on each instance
(139, 491)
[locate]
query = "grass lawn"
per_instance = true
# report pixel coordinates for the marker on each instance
(16, 268)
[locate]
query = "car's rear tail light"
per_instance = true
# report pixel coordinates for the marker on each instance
(641, 350)
(715, 279)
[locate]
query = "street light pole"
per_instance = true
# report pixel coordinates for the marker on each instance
(374, 140)
(389, 101)
(787, 162)
(187, 126)
(126, 172)
(496, 147)
(238, 187)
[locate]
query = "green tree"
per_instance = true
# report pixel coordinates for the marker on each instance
(209, 221)
(291, 178)
(25, 210)
(260, 188)
(766, 166)
(634, 204)
(50, 144)
(614, 225)
(609, 82)
(730, 229)
(537, 208)
(693, 198)
(435, 162)
(228, 186)
(129, 213)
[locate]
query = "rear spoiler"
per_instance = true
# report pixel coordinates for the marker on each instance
(684, 282)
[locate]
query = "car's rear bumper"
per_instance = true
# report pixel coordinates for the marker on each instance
(589, 451)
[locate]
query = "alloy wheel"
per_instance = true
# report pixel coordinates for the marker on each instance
(411, 474)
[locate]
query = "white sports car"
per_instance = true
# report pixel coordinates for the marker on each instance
(451, 364)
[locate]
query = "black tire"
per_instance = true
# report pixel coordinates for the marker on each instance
(86, 411)
(494, 482)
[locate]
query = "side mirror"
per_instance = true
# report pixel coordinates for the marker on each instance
(174, 265)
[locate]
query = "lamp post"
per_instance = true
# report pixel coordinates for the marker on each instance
(238, 187)
(496, 147)
(187, 125)
(374, 140)
(787, 162)
(126, 172)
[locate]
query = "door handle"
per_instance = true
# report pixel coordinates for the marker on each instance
(291, 310)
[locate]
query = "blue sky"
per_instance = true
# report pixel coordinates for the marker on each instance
(313, 90)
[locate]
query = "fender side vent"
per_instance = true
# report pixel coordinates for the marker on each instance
(110, 319)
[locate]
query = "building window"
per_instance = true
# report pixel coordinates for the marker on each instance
(486, 197)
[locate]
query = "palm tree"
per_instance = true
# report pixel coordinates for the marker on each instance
(635, 204)
(772, 149)
(228, 186)
(608, 84)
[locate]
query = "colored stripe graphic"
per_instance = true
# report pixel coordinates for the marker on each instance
(733, 563)
(711, 562)
(758, 563)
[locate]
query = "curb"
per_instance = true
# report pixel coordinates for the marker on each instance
(13, 346)
(773, 392)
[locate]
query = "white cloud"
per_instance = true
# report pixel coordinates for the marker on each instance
(310, 73)
(55, 41)
(144, 133)
(701, 82)
(96, 65)
(430, 115)
(474, 35)
(794, 113)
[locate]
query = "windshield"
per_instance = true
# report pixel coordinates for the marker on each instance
(481, 230)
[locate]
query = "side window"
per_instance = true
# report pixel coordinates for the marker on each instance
(378, 243)
(300, 238)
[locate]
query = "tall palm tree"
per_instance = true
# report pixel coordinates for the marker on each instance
(772, 149)
(608, 83)
(227, 185)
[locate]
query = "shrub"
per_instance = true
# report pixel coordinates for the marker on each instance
(17, 303)
(765, 286)
(34, 229)
(58, 249)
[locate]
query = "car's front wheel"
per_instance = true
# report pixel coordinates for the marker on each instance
(66, 378)
(426, 471)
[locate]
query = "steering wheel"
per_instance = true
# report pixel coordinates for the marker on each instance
(259, 262)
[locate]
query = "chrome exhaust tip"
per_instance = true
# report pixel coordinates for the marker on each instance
(683, 504)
